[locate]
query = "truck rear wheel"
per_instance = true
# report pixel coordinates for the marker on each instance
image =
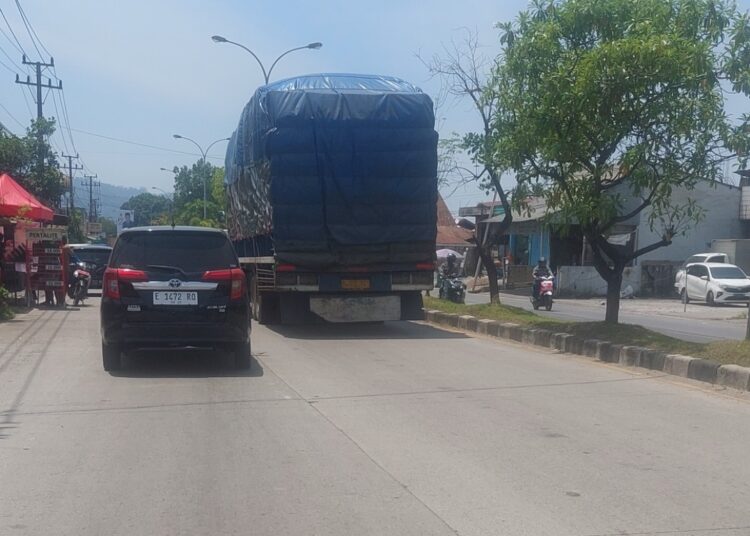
(265, 305)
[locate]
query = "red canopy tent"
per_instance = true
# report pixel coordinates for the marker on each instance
(16, 202)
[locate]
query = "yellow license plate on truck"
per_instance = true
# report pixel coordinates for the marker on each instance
(355, 284)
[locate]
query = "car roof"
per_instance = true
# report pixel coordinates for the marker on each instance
(90, 246)
(717, 264)
(176, 228)
(708, 254)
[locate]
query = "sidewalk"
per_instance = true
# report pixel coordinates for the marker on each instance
(647, 306)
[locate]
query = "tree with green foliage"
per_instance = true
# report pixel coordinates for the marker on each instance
(19, 159)
(76, 234)
(218, 190)
(611, 105)
(192, 214)
(463, 71)
(188, 182)
(148, 207)
(188, 196)
(109, 227)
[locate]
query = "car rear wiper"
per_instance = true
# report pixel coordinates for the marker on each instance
(167, 268)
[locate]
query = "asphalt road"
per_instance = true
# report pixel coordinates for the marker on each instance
(701, 323)
(394, 429)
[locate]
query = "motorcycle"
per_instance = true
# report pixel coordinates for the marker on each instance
(78, 286)
(543, 295)
(452, 288)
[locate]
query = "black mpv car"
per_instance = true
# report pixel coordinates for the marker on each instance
(94, 258)
(174, 287)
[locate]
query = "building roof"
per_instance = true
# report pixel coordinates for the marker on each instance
(536, 207)
(444, 216)
(448, 233)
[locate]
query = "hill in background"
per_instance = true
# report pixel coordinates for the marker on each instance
(111, 196)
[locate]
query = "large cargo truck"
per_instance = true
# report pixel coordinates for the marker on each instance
(332, 186)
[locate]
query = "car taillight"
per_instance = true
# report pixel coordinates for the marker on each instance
(113, 276)
(235, 276)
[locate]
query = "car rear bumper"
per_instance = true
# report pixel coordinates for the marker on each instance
(139, 335)
(118, 328)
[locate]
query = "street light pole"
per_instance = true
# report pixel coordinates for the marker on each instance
(266, 74)
(203, 157)
(169, 198)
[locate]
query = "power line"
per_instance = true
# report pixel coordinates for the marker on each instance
(91, 184)
(11, 115)
(17, 44)
(63, 119)
(26, 100)
(28, 30)
(67, 119)
(29, 26)
(39, 84)
(20, 51)
(13, 71)
(12, 61)
(71, 169)
(111, 138)
(62, 132)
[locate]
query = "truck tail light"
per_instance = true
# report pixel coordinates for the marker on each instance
(113, 276)
(425, 266)
(236, 278)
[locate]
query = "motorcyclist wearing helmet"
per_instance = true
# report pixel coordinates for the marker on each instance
(450, 268)
(541, 270)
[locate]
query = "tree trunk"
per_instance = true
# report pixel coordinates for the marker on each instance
(614, 284)
(486, 256)
(612, 274)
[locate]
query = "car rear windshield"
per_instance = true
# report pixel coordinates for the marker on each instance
(729, 272)
(191, 252)
(95, 256)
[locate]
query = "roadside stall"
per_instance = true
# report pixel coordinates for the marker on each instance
(20, 214)
(46, 265)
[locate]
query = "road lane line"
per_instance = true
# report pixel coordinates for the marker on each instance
(7, 421)
(407, 490)
(20, 338)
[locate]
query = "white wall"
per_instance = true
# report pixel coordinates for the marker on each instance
(721, 220)
(585, 281)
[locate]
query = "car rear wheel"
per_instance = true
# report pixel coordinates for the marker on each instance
(710, 298)
(684, 296)
(111, 356)
(242, 356)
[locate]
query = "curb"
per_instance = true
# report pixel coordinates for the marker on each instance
(704, 370)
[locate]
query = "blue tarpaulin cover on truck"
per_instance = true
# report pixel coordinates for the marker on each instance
(335, 169)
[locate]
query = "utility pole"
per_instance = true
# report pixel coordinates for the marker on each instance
(91, 183)
(71, 169)
(39, 84)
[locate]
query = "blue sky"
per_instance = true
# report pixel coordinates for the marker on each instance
(142, 70)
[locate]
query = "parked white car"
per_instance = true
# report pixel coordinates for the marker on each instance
(700, 257)
(715, 283)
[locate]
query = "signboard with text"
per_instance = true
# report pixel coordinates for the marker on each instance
(47, 234)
